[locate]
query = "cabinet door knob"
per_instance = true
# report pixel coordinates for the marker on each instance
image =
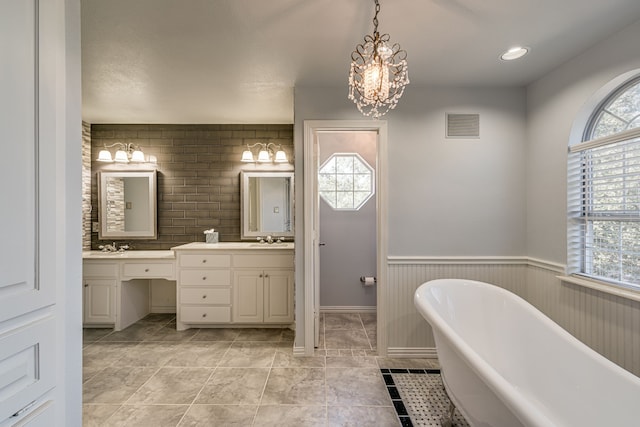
(146, 270)
(260, 275)
(204, 315)
(86, 285)
(204, 261)
(204, 277)
(204, 296)
(266, 275)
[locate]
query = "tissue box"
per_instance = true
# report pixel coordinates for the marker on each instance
(211, 237)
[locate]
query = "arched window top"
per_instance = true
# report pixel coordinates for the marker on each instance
(604, 192)
(619, 112)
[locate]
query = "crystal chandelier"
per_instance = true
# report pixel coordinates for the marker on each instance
(378, 73)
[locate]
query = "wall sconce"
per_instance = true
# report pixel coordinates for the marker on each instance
(125, 153)
(268, 152)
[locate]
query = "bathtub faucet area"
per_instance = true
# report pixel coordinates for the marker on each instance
(505, 364)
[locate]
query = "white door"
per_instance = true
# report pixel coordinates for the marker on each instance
(40, 290)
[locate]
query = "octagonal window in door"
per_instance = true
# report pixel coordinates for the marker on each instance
(346, 181)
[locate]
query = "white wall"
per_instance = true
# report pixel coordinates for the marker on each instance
(554, 104)
(447, 197)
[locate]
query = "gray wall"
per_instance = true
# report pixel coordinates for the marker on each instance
(557, 109)
(447, 197)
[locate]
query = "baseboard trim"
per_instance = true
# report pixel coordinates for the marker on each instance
(347, 309)
(412, 352)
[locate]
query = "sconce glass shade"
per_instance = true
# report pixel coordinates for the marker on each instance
(263, 156)
(121, 157)
(105, 156)
(281, 157)
(137, 156)
(247, 156)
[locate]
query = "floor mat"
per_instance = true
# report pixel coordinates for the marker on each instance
(419, 397)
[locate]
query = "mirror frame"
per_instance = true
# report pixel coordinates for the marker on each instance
(152, 231)
(245, 233)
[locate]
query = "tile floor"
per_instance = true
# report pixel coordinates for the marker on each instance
(152, 375)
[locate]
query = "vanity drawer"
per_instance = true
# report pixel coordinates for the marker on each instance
(264, 261)
(205, 260)
(205, 295)
(205, 277)
(162, 270)
(100, 269)
(203, 314)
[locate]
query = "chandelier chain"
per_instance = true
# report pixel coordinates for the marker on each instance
(375, 18)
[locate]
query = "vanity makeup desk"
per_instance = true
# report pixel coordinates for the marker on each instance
(116, 285)
(217, 284)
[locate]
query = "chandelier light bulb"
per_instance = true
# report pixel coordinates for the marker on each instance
(376, 82)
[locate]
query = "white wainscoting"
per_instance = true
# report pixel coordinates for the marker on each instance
(409, 334)
(607, 323)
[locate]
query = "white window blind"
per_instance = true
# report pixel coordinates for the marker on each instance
(604, 208)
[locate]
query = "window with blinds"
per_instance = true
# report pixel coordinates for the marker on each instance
(604, 192)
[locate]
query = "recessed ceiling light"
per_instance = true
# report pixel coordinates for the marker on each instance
(514, 53)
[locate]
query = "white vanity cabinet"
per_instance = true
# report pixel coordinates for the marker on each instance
(99, 298)
(263, 288)
(99, 293)
(204, 288)
(234, 284)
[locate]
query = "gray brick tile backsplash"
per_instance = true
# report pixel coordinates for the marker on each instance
(198, 175)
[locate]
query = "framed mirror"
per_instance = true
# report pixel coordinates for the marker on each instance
(127, 205)
(266, 204)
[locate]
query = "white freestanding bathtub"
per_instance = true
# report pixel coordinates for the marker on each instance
(504, 363)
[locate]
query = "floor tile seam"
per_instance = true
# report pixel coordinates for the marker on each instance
(204, 384)
(142, 404)
(366, 334)
(264, 387)
(114, 412)
(139, 388)
(94, 375)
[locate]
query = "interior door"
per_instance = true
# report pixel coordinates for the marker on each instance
(33, 223)
(347, 216)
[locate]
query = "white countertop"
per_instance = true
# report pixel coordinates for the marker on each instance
(170, 254)
(234, 245)
(132, 254)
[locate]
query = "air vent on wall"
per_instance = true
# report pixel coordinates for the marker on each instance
(463, 125)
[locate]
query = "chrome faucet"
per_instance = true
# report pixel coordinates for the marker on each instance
(270, 239)
(113, 247)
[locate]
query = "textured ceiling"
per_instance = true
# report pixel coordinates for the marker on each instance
(237, 61)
